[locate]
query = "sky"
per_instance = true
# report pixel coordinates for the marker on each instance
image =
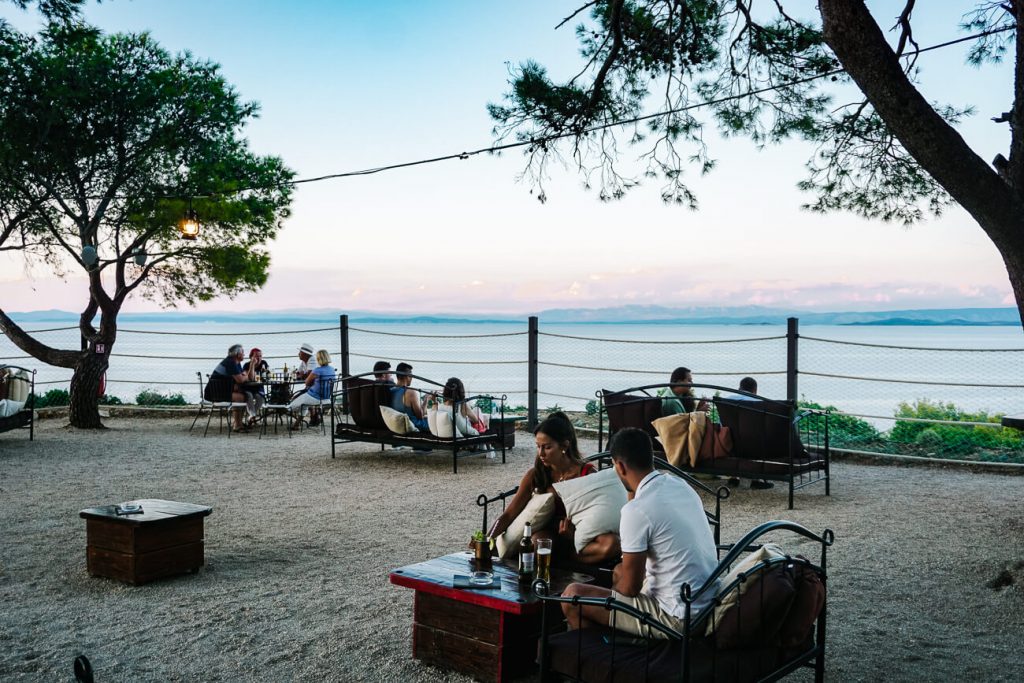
(347, 85)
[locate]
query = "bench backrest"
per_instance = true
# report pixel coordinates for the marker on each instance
(760, 429)
(631, 410)
(365, 397)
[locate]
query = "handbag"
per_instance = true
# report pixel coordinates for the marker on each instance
(717, 442)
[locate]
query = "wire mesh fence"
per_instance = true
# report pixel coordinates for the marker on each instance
(889, 391)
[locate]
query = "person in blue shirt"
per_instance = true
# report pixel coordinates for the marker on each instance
(319, 385)
(406, 400)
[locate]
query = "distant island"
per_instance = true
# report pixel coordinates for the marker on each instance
(646, 315)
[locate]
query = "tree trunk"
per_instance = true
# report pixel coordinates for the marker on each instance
(84, 411)
(860, 45)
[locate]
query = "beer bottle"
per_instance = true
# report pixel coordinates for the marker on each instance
(527, 555)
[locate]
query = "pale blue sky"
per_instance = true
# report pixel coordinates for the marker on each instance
(349, 85)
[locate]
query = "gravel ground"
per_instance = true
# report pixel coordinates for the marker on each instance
(299, 547)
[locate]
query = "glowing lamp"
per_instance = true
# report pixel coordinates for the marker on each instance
(189, 225)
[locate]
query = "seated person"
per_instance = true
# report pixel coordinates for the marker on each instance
(382, 372)
(455, 392)
(319, 385)
(226, 382)
(306, 362)
(749, 385)
(558, 459)
(406, 400)
(666, 542)
(255, 395)
(684, 401)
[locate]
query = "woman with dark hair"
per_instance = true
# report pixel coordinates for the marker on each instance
(558, 459)
(455, 392)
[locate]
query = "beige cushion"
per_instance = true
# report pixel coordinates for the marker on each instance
(18, 387)
(593, 504)
(537, 512)
(765, 552)
(397, 422)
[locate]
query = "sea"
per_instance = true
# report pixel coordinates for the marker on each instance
(865, 370)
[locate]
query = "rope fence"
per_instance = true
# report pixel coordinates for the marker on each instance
(888, 391)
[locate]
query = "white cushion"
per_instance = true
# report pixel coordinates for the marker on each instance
(441, 427)
(432, 421)
(537, 512)
(465, 429)
(765, 552)
(593, 503)
(397, 422)
(9, 407)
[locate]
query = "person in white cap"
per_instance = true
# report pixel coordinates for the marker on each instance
(305, 367)
(306, 352)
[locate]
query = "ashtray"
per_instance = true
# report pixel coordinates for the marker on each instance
(128, 508)
(481, 578)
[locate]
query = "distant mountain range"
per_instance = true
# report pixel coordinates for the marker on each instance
(655, 315)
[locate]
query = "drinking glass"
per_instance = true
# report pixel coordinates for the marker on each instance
(544, 559)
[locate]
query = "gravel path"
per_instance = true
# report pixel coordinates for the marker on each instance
(299, 547)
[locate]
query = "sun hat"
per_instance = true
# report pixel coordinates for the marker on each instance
(307, 348)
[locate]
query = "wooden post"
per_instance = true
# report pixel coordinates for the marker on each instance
(532, 372)
(792, 342)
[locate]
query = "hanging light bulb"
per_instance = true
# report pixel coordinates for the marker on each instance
(89, 256)
(189, 225)
(140, 255)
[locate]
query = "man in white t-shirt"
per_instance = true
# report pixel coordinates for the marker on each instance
(666, 542)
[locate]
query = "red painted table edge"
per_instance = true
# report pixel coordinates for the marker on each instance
(463, 595)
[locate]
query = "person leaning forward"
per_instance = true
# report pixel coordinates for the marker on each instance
(666, 542)
(226, 382)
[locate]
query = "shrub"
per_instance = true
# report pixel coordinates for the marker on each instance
(108, 400)
(156, 398)
(52, 398)
(592, 407)
(844, 430)
(485, 404)
(949, 439)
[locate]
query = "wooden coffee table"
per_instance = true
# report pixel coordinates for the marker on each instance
(166, 539)
(488, 634)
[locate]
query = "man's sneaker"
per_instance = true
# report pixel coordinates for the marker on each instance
(760, 484)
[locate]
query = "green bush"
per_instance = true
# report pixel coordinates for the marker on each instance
(955, 438)
(485, 404)
(147, 397)
(592, 407)
(108, 400)
(844, 430)
(53, 398)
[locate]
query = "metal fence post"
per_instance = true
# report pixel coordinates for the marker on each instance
(532, 373)
(792, 343)
(343, 330)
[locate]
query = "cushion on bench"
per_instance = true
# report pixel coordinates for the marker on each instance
(658, 663)
(632, 410)
(365, 397)
(760, 429)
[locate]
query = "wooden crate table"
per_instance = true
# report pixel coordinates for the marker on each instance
(166, 539)
(490, 634)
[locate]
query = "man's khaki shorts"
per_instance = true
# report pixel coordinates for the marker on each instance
(645, 603)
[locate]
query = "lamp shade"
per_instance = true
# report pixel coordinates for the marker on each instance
(140, 256)
(89, 256)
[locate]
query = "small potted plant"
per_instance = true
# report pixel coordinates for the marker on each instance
(481, 550)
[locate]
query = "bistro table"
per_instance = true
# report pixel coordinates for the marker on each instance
(490, 634)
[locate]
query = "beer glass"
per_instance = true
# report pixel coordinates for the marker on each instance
(544, 559)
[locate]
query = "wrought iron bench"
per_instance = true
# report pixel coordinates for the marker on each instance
(359, 400)
(18, 385)
(776, 626)
(602, 574)
(771, 439)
